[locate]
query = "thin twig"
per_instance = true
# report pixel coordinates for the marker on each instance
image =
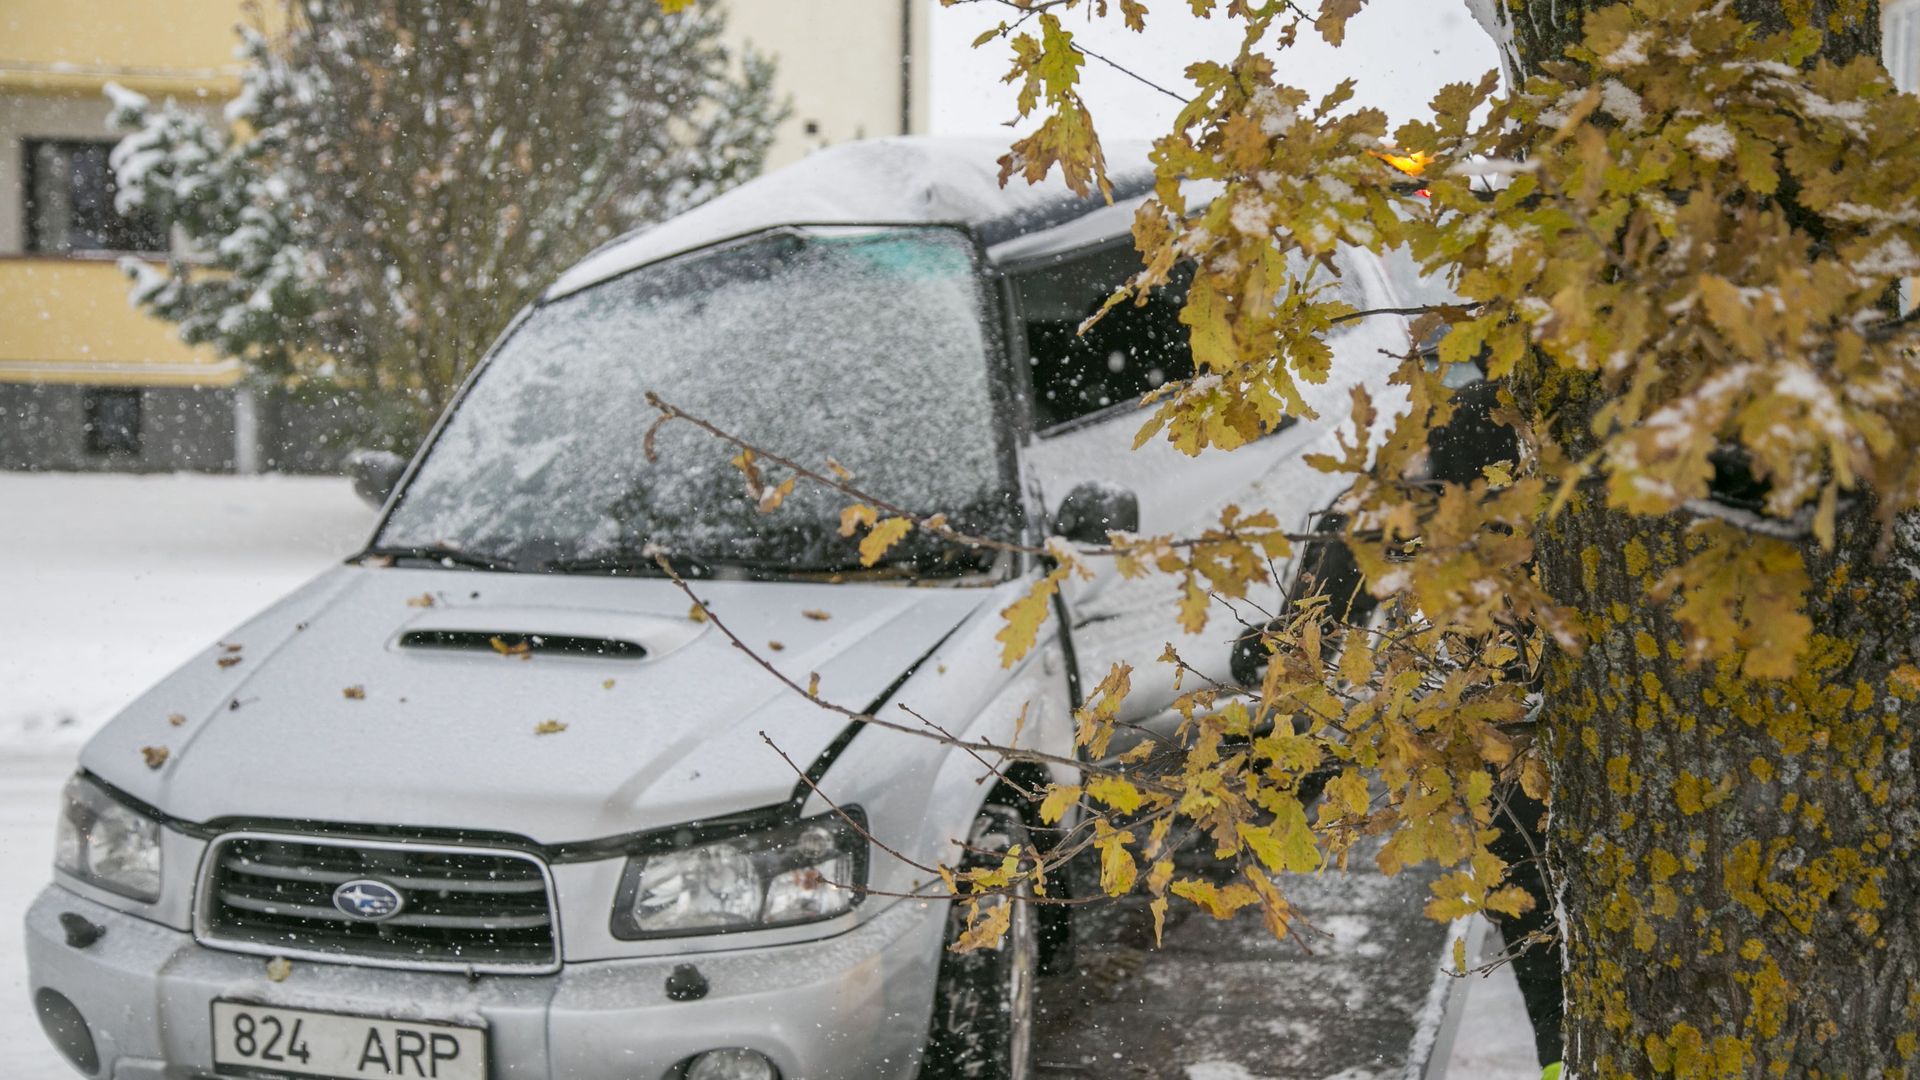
(851, 821)
(935, 523)
(1421, 309)
(989, 766)
(1011, 754)
(1029, 11)
(1134, 75)
(854, 823)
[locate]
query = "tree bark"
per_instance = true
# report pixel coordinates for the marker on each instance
(1735, 858)
(1542, 29)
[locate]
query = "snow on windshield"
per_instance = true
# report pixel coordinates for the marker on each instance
(867, 346)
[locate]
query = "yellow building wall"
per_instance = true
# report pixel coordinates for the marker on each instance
(68, 321)
(154, 46)
(841, 66)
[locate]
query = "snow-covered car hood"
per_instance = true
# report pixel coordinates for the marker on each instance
(318, 711)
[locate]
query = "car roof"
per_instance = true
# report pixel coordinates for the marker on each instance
(905, 180)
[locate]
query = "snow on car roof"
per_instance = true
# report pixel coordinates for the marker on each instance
(904, 180)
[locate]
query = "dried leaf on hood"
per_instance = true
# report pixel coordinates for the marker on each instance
(155, 756)
(279, 968)
(518, 648)
(698, 613)
(354, 693)
(425, 599)
(549, 727)
(608, 685)
(816, 614)
(776, 646)
(176, 719)
(229, 660)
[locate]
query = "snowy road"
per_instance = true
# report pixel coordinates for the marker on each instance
(108, 582)
(29, 783)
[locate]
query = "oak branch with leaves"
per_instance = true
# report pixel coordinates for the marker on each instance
(1676, 237)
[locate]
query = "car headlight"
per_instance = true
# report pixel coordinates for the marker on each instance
(102, 841)
(796, 873)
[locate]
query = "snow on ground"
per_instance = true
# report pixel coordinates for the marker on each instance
(106, 583)
(1494, 1040)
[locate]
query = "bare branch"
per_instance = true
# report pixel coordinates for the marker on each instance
(1008, 753)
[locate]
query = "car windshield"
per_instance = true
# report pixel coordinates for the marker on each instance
(864, 346)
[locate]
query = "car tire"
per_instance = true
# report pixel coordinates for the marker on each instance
(983, 1001)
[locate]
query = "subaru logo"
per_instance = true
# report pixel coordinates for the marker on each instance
(368, 900)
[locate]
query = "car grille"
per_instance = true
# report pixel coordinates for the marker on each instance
(466, 908)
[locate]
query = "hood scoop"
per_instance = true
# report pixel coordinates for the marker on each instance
(517, 643)
(559, 632)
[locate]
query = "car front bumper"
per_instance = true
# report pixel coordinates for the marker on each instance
(854, 1006)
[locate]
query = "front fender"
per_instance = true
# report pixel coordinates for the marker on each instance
(921, 794)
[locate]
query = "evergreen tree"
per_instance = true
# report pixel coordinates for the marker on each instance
(398, 177)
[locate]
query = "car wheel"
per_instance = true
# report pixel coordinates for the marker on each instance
(983, 1004)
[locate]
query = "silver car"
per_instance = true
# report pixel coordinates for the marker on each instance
(491, 800)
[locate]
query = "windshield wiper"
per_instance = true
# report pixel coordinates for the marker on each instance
(637, 565)
(442, 554)
(708, 567)
(687, 566)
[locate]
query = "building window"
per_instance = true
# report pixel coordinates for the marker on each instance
(113, 421)
(69, 204)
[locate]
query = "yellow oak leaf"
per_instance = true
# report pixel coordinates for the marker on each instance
(1060, 798)
(1115, 792)
(1024, 616)
(881, 537)
(985, 931)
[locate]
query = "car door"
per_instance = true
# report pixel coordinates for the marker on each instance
(1085, 392)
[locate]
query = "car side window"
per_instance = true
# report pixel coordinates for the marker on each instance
(1129, 352)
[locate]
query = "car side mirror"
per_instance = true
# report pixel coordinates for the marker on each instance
(375, 472)
(1093, 509)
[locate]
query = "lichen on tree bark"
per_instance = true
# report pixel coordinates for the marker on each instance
(1735, 856)
(1542, 29)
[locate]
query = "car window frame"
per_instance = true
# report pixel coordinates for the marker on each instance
(1013, 270)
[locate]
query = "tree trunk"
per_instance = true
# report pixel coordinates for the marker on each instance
(1542, 29)
(1735, 858)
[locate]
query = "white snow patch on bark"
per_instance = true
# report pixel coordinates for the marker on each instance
(1893, 258)
(1474, 167)
(1715, 141)
(1504, 240)
(1622, 103)
(1629, 53)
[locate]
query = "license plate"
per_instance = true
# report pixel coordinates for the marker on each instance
(257, 1041)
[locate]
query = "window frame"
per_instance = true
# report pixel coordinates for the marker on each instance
(115, 442)
(1013, 272)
